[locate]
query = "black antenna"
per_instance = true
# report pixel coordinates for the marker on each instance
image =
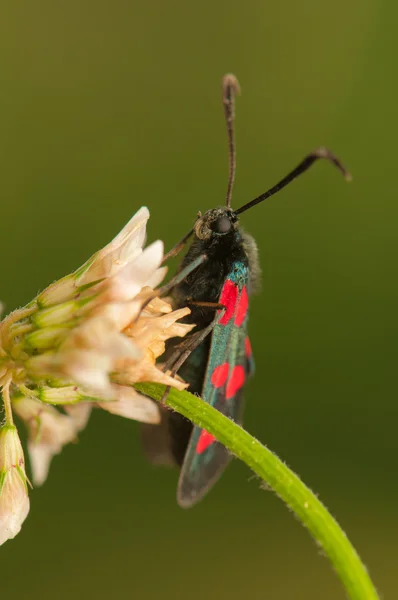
(230, 87)
(299, 170)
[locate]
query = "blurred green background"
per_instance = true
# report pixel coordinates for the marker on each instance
(106, 106)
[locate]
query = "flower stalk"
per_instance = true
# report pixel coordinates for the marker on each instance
(7, 402)
(286, 484)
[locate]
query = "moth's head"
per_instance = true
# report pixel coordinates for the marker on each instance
(217, 222)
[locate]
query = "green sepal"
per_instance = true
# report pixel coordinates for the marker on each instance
(3, 475)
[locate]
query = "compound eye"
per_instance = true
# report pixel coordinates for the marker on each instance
(222, 225)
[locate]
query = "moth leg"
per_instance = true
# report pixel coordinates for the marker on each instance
(178, 247)
(192, 343)
(214, 305)
(186, 343)
(165, 289)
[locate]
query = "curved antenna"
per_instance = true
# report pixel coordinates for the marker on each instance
(230, 87)
(299, 170)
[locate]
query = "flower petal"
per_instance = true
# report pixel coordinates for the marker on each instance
(157, 277)
(40, 459)
(48, 431)
(80, 413)
(14, 505)
(54, 431)
(129, 281)
(89, 369)
(14, 500)
(132, 405)
(124, 248)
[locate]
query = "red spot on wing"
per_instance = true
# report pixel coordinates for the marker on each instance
(242, 307)
(229, 297)
(206, 439)
(235, 382)
(220, 375)
(248, 347)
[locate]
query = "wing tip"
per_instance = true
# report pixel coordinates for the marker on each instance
(187, 496)
(190, 492)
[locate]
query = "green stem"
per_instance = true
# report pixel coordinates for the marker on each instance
(283, 481)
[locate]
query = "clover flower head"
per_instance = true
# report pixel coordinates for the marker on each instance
(82, 343)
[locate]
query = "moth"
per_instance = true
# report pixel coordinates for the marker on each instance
(215, 279)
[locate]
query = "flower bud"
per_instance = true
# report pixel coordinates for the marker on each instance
(14, 500)
(58, 292)
(59, 314)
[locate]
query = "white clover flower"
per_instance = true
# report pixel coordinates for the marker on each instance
(85, 341)
(14, 499)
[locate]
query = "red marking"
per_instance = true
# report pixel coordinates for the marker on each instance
(243, 305)
(220, 375)
(206, 439)
(248, 347)
(235, 382)
(229, 296)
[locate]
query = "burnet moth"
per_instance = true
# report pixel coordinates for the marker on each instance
(215, 279)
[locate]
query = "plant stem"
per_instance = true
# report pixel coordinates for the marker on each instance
(7, 403)
(283, 481)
